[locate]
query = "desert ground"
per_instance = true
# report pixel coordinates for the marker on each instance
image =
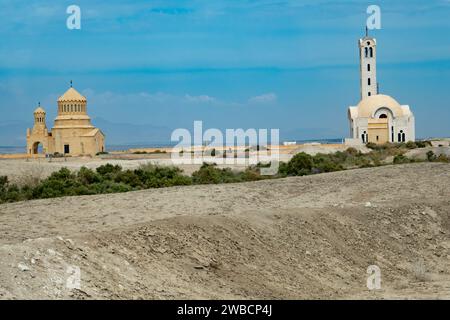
(310, 237)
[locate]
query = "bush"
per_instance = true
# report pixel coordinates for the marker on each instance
(128, 177)
(352, 151)
(62, 174)
(161, 176)
(210, 174)
(327, 163)
(300, 165)
(411, 145)
(443, 158)
(87, 176)
(423, 144)
(253, 174)
(398, 159)
(3, 182)
(108, 169)
(431, 156)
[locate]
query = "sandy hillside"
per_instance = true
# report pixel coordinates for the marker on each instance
(300, 237)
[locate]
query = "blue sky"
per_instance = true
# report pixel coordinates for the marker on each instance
(284, 64)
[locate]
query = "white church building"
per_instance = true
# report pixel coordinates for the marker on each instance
(377, 118)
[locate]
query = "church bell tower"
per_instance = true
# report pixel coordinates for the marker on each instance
(368, 66)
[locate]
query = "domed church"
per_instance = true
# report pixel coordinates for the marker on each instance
(377, 118)
(72, 134)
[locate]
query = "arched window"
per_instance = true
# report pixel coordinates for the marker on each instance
(371, 52)
(368, 67)
(369, 94)
(368, 81)
(366, 51)
(401, 136)
(383, 116)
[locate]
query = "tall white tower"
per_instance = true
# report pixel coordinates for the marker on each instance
(368, 66)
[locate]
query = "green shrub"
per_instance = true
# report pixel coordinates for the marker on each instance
(423, 144)
(210, 174)
(12, 194)
(62, 174)
(3, 183)
(352, 151)
(398, 159)
(411, 145)
(431, 156)
(443, 158)
(87, 176)
(108, 169)
(300, 164)
(283, 170)
(328, 163)
(161, 176)
(253, 174)
(128, 177)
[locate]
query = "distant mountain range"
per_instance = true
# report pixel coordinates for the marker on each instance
(13, 133)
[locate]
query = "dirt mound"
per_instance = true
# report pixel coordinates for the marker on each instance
(303, 237)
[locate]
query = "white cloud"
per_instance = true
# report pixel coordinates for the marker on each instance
(200, 99)
(264, 98)
(161, 99)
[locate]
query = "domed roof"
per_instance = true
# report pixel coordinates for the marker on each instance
(39, 110)
(71, 95)
(369, 105)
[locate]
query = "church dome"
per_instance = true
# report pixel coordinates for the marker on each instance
(369, 105)
(39, 110)
(71, 95)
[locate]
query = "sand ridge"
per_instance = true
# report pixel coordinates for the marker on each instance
(299, 237)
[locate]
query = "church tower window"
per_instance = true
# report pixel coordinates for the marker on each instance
(368, 67)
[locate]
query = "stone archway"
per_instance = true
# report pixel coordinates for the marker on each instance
(37, 147)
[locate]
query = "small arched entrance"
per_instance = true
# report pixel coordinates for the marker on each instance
(380, 126)
(37, 148)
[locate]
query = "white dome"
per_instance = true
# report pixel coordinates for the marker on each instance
(369, 105)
